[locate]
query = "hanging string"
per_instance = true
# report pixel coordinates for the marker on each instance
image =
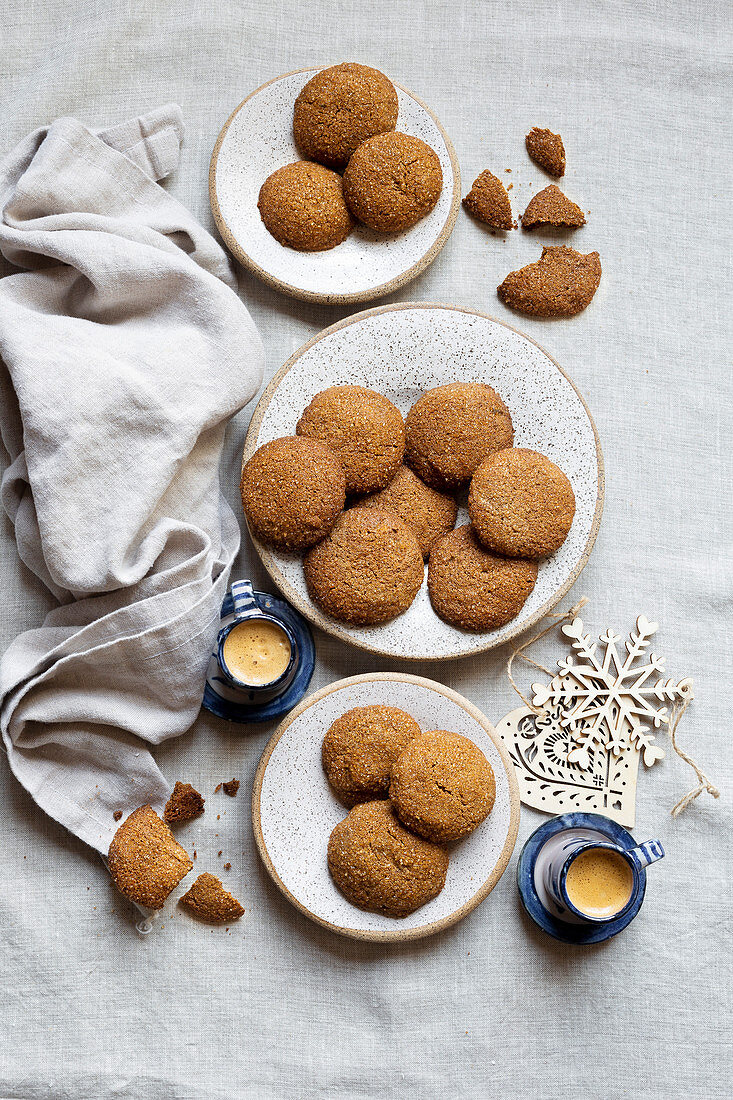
(519, 651)
(704, 783)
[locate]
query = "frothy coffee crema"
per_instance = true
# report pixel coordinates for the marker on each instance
(599, 882)
(257, 652)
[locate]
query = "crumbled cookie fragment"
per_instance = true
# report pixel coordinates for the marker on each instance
(227, 866)
(184, 804)
(117, 815)
(488, 201)
(218, 787)
(231, 787)
(547, 150)
(560, 284)
(551, 207)
(208, 899)
(145, 859)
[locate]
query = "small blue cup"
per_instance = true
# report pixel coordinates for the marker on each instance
(246, 608)
(563, 855)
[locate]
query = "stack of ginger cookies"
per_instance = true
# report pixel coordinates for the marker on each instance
(411, 794)
(368, 496)
(359, 168)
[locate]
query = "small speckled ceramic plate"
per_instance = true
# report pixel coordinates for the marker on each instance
(294, 810)
(258, 138)
(401, 351)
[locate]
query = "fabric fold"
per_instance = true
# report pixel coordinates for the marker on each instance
(125, 351)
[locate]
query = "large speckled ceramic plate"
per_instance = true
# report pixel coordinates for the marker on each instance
(402, 351)
(257, 139)
(294, 810)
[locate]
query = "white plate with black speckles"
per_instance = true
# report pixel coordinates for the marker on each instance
(401, 351)
(294, 809)
(257, 139)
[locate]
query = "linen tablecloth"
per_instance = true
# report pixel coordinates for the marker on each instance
(277, 1007)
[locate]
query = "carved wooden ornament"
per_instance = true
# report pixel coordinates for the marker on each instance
(580, 748)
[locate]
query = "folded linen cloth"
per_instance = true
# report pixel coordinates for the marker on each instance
(125, 351)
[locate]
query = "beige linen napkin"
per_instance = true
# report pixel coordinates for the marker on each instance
(125, 352)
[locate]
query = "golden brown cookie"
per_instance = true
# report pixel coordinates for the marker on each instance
(363, 429)
(341, 107)
(489, 202)
(293, 490)
(442, 786)
(560, 284)
(184, 804)
(521, 504)
(302, 205)
(547, 150)
(208, 899)
(145, 859)
(473, 589)
(360, 748)
(392, 181)
(368, 570)
(551, 207)
(380, 866)
(428, 513)
(451, 429)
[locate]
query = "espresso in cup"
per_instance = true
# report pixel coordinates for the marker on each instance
(257, 652)
(599, 882)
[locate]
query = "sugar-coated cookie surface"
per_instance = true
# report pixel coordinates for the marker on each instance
(360, 748)
(368, 570)
(341, 107)
(210, 902)
(363, 429)
(145, 859)
(474, 589)
(551, 207)
(442, 786)
(379, 865)
(560, 284)
(428, 513)
(392, 181)
(451, 429)
(293, 490)
(521, 504)
(303, 207)
(489, 202)
(547, 150)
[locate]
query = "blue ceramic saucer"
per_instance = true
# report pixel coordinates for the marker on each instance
(597, 828)
(234, 705)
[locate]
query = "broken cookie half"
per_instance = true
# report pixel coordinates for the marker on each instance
(184, 804)
(145, 859)
(208, 899)
(560, 284)
(551, 207)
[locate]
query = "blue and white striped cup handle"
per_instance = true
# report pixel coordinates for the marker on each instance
(648, 852)
(243, 597)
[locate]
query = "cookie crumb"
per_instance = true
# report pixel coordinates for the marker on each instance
(489, 202)
(117, 815)
(231, 788)
(547, 150)
(184, 804)
(220, 851)
(218, 788)
(208, 899)
(227, 866)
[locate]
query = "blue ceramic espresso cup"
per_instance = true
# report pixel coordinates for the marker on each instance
(257, 651)
(596, 881)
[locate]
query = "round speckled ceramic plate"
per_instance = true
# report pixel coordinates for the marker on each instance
(401, 351)
(294, 810)
(256, 139)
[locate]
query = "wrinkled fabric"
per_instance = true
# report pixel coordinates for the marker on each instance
(126, 351)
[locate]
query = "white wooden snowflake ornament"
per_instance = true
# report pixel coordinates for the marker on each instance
(580, 748)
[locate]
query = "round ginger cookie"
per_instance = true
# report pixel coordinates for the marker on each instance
(145, 860)
(442, 786)
(360, 748)
(302, 205)
(363, 428)
(339, 108)
(392, 181)
(368, 570)
(379, 866)
(451, 429)
(428, 513)
(521, 504)
(293, 491)
(473, 589)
